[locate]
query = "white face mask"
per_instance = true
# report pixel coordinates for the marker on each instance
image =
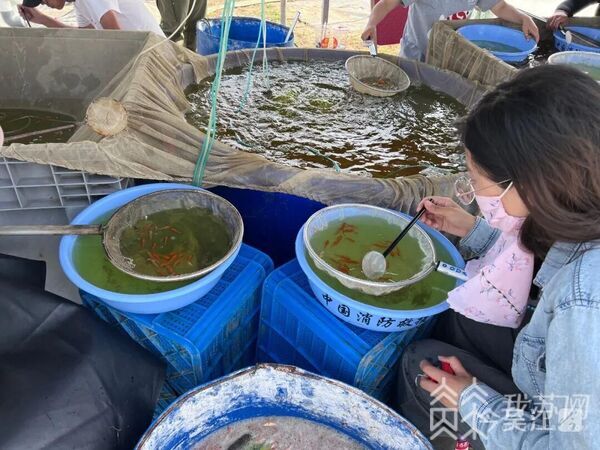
(493, 211)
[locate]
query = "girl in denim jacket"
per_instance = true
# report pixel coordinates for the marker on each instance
(534, 144)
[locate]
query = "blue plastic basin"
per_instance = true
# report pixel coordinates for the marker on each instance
(142, 304)
(561, 43)
(243, 33)
(501, 35)
(351, 310)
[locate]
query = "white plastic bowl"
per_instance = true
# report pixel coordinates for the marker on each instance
(576, 57)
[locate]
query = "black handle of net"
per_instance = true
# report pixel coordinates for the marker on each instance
(404, 232)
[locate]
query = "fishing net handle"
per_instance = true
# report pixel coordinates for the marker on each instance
(51, 230)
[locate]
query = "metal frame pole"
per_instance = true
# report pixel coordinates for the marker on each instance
(324, 17)
(282, 8)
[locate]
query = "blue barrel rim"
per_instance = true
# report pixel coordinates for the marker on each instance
(214, 20)
(501, 55)
(67, 244)
(293, 372)
(408, 313)
(243, 35)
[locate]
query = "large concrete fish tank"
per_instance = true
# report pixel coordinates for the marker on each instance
(64, 70)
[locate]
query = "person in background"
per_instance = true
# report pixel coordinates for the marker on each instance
(567, 9)
(540, 131)
(130, 15)
(172, 13)
(422, 14)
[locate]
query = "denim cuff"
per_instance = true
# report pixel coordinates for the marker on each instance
(474, 406)
(479, 240)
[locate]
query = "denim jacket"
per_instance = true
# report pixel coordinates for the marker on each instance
(556, 358)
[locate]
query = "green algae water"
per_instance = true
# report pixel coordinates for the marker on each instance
(344, 243)
(592, 71)
(91, 263)
(494, 46)
(176, 241)
(311, 116)
(19, 121)
(368, 235)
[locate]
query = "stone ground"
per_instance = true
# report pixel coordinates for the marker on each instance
(346, 19)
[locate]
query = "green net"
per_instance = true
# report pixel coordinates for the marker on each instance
(211, 129)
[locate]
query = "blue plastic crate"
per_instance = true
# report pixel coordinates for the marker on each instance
(100, 310)
(167, 396)
(296, 329)
(209, 338)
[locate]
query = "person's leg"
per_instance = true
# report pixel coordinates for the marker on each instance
(416, 405)
(491, 344)
(172, 12)
(198, 13)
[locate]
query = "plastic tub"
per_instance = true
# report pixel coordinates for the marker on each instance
(142, 304)
(497, 34)
(243, 33)
(353, 311)
(576, 58)
(273, 390)
(560, 42)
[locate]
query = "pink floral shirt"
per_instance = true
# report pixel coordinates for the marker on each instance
(499, 282)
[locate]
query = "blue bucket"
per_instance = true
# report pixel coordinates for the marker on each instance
(497, 34)
(243, 33)
(351, 311)
(272, 390)
(560, 42)
(142, 304)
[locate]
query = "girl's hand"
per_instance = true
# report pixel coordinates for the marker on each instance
(445, 215)
(558, 19)
(530, 29)
(454, 384)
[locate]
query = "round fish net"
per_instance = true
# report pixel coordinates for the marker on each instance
(106, 116)
(327, 217)
(139, 209)
(375, 76)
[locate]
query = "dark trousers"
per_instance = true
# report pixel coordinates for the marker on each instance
(484, 350)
